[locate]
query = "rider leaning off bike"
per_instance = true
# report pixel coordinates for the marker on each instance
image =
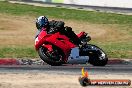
(56, 26)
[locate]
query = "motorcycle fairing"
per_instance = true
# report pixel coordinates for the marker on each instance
(75, 58)
(47, 40)
(40, 39)
(60, 41)
(80, 34)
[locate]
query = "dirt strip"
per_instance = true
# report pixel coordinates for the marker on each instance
(53, 80)
(13, 61)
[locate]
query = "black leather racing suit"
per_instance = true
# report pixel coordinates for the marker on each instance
(58, 26)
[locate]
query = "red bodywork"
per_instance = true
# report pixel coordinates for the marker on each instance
(61, 41)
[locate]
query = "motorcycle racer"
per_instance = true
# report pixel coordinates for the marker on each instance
(56, 49)
(55, 26)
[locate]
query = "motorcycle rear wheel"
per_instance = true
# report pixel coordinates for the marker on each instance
(51, 58)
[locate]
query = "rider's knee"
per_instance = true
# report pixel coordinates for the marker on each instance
(68, 29)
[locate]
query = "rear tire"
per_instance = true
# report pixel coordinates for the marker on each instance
(53, 61)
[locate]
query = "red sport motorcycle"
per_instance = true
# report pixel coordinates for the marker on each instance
(57, 49)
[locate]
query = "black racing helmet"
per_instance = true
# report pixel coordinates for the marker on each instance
(41, 21)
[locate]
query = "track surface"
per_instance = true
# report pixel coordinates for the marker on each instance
(96, 8)
(68, 69)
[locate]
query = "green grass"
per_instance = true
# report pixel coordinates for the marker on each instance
(114, 50)
(88, 16)
(18, 52)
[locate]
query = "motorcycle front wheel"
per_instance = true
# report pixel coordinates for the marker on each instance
(53, 58)
(97, 56)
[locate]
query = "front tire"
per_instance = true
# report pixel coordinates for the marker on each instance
(49, 59)
(98, 57)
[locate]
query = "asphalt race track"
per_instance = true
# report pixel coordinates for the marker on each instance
(121, 69)
(72, 6)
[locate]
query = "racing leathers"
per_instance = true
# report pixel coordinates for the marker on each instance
(58, 26)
